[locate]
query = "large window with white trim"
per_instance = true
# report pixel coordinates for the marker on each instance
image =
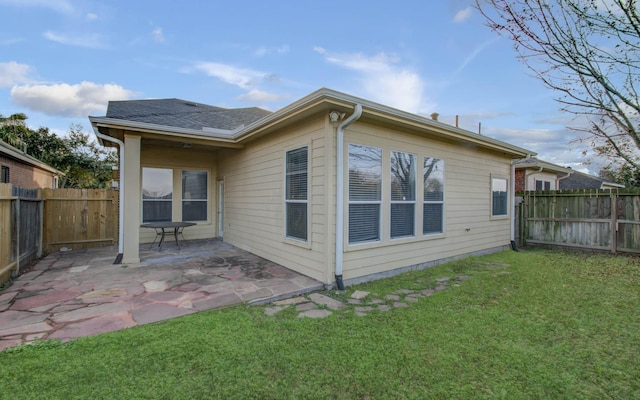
(433, 200)
(365, 193)
(195, 195)
(296, 194)
(403, 194)
(499, 197)
(157, 194)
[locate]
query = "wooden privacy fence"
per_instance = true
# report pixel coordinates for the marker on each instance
(20, 228)
(79, 218)
(33, 221)
(6, 252)
(600, 220)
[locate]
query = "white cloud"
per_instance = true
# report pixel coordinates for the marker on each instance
(383, 80)
(258, 96)
(241, 77)
(158, 35)
(61, 6)
(93, 41)
(10, 41)
(470, 57)
(463, 15)
(13, 73)
(79, 100)
(91, 16)
(263, 51)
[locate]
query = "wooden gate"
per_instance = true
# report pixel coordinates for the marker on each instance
(79, 218)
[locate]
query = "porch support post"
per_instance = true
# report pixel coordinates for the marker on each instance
(131, 178)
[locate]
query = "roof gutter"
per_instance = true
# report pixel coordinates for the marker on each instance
(120, 143)
(340, 191)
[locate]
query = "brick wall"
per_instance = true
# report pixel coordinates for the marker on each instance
(520, 180)
(25, 175)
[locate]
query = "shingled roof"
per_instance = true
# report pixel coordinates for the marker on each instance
(579, 180)
(184, 114)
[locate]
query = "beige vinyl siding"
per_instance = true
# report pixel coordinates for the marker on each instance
(178, 159)
(468, 226)
(254, 198)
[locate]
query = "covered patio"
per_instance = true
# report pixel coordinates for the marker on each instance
(81, 292)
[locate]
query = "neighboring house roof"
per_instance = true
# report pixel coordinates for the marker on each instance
(542, 166)
(179, 120)
(579, 180)
(184, 114)
(11, 152)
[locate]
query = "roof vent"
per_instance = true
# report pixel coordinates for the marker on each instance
(191, 104)
(434, 116)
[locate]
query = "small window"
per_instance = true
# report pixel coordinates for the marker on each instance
(543, 185)
(4, 174)
(296, 196)
(433, 202)
(157, 194)
(499, 197)
(195, 195)
(365, 193)
(403, 194)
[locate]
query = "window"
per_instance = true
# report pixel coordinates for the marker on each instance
(499, 197)
(543, 185)
(296, 196)
(4, 174)
(433, 200)
(403, 194)
(194, 195)
(365, 193)
(157, 194)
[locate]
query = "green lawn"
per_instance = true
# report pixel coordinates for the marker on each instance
(536, 324)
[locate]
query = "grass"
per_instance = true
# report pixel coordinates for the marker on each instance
(537, 324)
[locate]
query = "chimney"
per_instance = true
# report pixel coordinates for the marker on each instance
(434, 116)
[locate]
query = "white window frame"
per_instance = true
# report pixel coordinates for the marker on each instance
(288, 201)
(176, 198)
(393, 202)
(440, 202)
(543, 183)
(377, 202)
(491, 191)
(205, 200)
(170, 201)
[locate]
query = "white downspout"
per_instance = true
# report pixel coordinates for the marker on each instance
(357, 112)
(512, 189)
(120, 143)
(561, 178)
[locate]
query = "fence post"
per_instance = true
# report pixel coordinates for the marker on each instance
(17, 270)
(41, 234)
(614, 222)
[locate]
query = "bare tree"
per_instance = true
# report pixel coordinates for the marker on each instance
(588, 52)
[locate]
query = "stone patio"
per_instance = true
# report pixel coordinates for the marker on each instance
(81, 292)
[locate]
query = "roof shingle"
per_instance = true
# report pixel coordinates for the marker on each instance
(184, 114)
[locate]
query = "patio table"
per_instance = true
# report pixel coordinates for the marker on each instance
(170, 228)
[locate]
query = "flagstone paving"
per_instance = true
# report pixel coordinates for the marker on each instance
(317, 305)
(81, 292)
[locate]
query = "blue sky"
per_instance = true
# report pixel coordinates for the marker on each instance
(62, 60)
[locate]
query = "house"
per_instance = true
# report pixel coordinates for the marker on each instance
(335, 187)
(535, 174)
(20, 169)
(580, 180)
